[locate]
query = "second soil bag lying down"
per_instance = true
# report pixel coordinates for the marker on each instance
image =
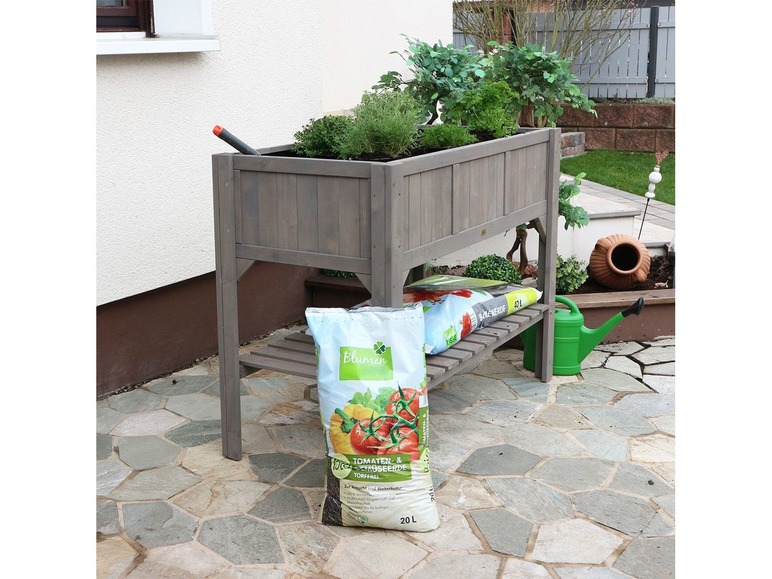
(454, 306)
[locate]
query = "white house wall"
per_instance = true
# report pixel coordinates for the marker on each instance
(362, 35)
(280, 64)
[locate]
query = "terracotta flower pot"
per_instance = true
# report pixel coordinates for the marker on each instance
(619, 262)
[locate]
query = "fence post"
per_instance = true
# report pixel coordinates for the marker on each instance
(651, 72)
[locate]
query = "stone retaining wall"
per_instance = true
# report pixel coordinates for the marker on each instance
(624, 126)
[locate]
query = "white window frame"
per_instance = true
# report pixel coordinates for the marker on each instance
(180, 26)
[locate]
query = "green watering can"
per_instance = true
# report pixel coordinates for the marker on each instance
(572, 340)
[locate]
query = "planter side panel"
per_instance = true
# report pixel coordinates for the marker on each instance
(449, 200)
(318, 213)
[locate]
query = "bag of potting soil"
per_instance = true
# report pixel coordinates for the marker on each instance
(454, 306)
(371, 374)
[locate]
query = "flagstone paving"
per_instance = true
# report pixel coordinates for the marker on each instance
(571, 479)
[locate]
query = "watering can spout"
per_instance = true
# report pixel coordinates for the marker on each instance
(633, 309)
(589, 338)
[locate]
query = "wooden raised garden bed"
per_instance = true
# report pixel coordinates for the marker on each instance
(380, 220)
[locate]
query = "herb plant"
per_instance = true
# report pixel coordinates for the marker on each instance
(385, 124)
(488, 110)
(323, 138)
(445, 136)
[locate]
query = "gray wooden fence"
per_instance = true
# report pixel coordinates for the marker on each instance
(642, 59)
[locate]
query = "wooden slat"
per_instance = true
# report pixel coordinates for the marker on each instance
(278, 365)
(454, 353)
(300, 337)
(287, 215)
(327, 215)
(441, 362)
(292, 346)
(267, 210)
(349, 226)
(308, 203)
(277, 351)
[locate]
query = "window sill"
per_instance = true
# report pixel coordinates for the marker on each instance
(118, 43)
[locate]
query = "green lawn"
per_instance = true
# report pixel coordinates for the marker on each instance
(625, 171)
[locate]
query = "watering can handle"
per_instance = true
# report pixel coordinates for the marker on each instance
(566, 302)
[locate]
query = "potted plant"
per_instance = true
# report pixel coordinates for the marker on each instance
(437, 72)
(574, 216)
(542, 79)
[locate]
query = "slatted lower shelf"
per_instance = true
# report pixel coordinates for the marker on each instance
(294, 354)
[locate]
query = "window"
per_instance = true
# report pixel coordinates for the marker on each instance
(125, 16)
(154, 26)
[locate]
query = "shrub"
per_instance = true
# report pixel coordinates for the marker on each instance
(385, 124)
(493, 267)
(570, 274)
(446, 136)
(323, 138)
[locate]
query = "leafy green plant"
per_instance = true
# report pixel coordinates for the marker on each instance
(385, 124)
(323, 138)
(437, 70)
(542, 80)
(445, 136)
(487, 110)
(493, 267)
(570, 274)
(574, 215)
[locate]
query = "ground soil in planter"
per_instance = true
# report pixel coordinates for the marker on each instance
(660, 277)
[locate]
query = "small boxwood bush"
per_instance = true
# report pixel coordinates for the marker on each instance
(570, 274)
(493, 267)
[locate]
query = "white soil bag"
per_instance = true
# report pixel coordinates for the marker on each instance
(371, 372)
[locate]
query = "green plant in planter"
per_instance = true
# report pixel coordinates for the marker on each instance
(574, 215)
(493, 267)
(385, 124)
(541, 79)
(437, 72)
(570, 274)
(445, 136)
(488, 110)
(323, 138)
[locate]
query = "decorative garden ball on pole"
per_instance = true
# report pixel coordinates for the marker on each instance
(655, 177)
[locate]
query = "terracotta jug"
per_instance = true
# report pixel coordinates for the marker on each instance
(619, 262)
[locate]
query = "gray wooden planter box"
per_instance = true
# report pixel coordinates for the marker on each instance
(379, 220)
